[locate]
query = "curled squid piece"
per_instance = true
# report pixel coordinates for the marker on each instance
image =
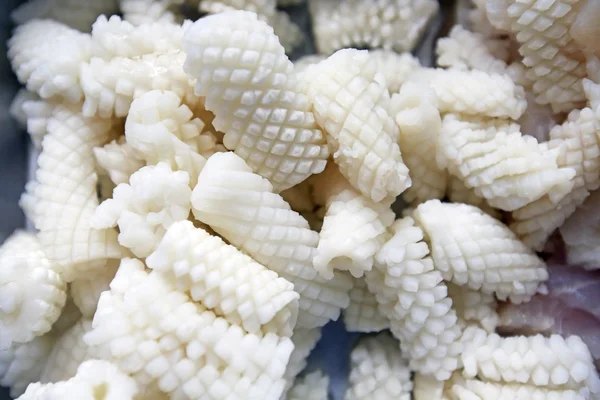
(415, 111)
(162, 129)
(179, 345)
(95, 380)
(416, 301)
(352, 104)
(553, 60)
(46, 55)
(78, 14)
(63, 198)
(265, 227)
(552, 362)
(312, 386)
(22, 363)
(363, 314)
(501, 165)
(68, 353)
(469, 247)
(118, 160)
(395, 67)
(465, 50)
(378, 370)
(250, 85)
(391, 24)
(115, 37)
(577, 140)
(110, 86)
(32, 293)
(474, 92)
(87, 289)
(351, 234)
(155, 198)
(224, 279)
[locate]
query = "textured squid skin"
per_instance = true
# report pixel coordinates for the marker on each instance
(119, 160)
(312, 386)
(553, 59)
(390, 24)
(62, 199)
(351, 234)
(224, 279)
(46, 55)
(32, 293)
(469, 247)
(155, 198)
(242, 207)
(466, 50)
(415, 111)
(363, 314)
(553, 362)
(248, 81)
(396, 68)
(411, 293)
(157, 335)
(68, 353)
(578, 142)
(94, 380)
(352, 104)
(115, 37)
(378, 370)
(500, 164)
(22, 363)
(162, 128)
(474, 92)
(109, 86)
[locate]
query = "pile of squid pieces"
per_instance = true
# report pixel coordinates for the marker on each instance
(203, 206)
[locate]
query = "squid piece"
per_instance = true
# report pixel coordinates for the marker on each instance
(46, 55)
(352, 104)
(32, 293)
(508, 169)
(150, 330)
(155, 198)
(415, 111)
(95, 379)
(249, 84)
(413, 296)
(378, 370)
(224, 279)
(391, 24)
(363, 314)
(242, 207)
(64, 195)
(471, 248)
